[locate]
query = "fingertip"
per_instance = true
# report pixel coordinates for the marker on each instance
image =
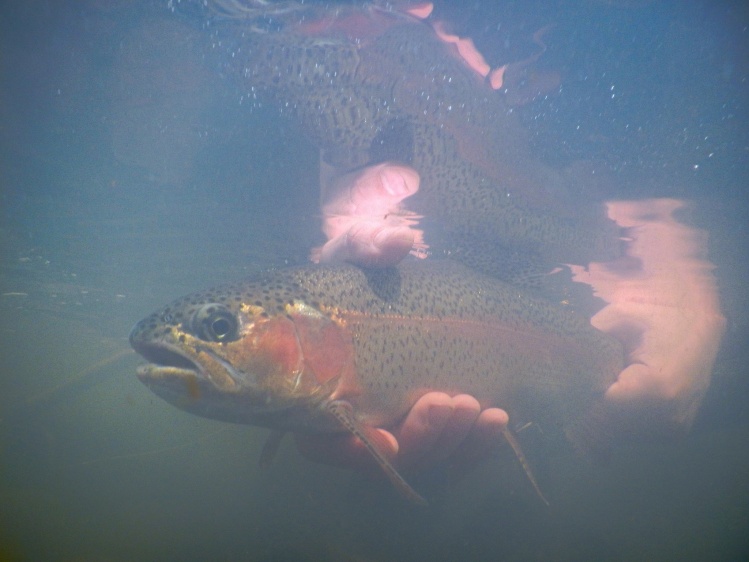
(466, 403)
(429, 409)
(423, 426)
(463, 414)
(492, 420)
(484, 437)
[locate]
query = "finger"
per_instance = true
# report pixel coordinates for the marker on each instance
(368, 243)
(490, 424)
(465, 413)
(374, 244)
(422, 427)
(484, 438)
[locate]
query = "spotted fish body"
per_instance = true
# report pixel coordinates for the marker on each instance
(284, 349)
(390, 91)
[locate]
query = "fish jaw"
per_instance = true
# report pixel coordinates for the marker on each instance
(274, 371)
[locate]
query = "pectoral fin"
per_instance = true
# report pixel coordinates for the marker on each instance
(510, 438)
(372, 440)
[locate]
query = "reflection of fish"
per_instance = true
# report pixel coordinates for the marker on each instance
(369, 86)
(336, 348)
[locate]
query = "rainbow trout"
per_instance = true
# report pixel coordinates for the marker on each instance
(336, 348)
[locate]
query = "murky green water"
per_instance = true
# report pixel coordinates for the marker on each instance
(131, 175)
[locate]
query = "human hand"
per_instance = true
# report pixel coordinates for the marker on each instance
(436, 428)
(663, 304)
(364, 220)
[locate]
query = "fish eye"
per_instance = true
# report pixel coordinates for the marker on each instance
(215, 323)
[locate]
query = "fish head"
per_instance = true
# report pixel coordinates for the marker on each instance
(247, 353)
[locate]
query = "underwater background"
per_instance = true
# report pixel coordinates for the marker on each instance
(131, 173)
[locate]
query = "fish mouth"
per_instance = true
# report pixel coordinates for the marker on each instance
(169, 365)
(164, 361)
(172, 376)
(212, 391)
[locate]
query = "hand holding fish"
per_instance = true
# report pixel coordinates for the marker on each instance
(316, 350)
(437, 427)
(674, 309)
(366, 225)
